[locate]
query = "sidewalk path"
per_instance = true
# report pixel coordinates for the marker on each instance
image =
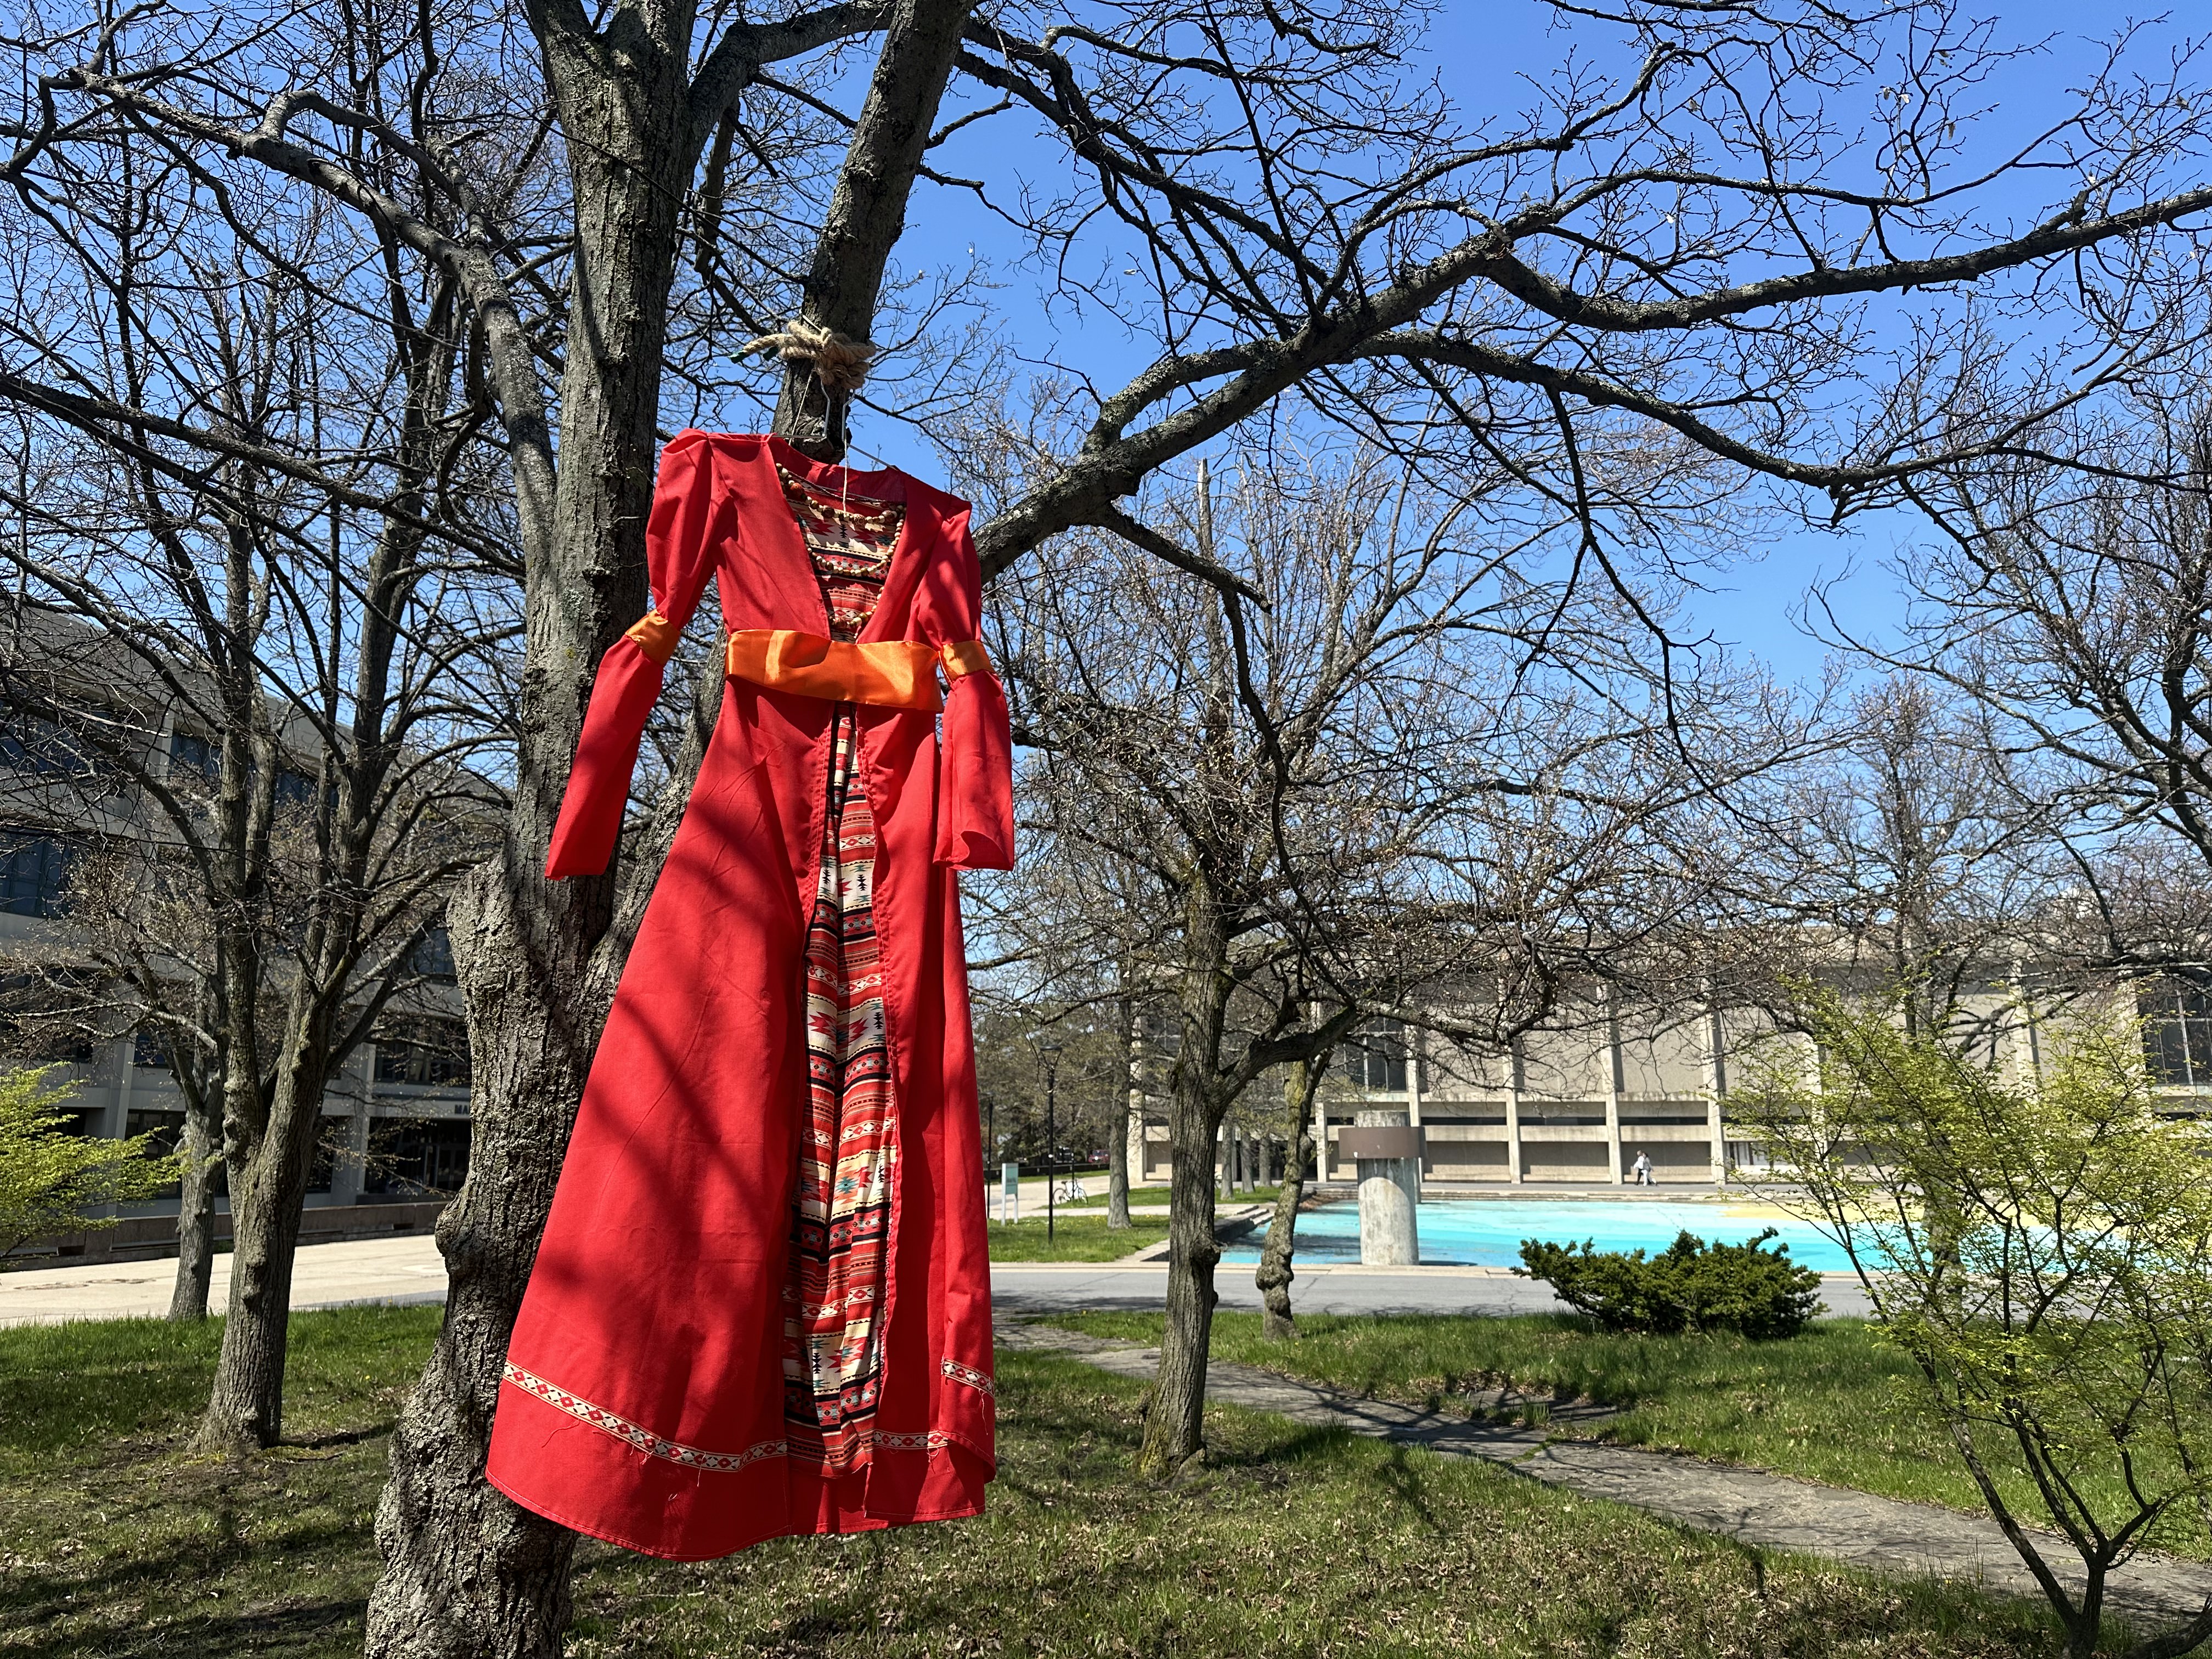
(409, 1270)
(1770, 1511)
(398, 1270)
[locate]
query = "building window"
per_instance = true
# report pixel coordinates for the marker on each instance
(34, 872)
(2177, 1035)
(427, 1053)
(416, 1157)
(433, 957)
(1375, 1058)
(191, 753)
(28, 743)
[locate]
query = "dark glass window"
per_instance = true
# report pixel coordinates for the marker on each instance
(1375, 1058)
(294, 788)
(433, 957)
(429, 1052)
(34, 871)
(2177, 1035)
(191, 753)
(416, 1157)
(28, 743)
(150, 1048)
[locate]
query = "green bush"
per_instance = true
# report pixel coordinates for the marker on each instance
(1690, 1285)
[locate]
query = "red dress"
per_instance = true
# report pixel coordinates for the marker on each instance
(762, 1305)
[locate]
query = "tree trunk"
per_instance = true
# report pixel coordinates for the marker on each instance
(1117, 1142)
(1273, 1278)
(469, 1574)
(1174, 1414)
(268, 1190)
(202, 1147)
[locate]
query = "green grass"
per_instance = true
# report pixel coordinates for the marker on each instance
(1295, 1542)
(1075, 1238)
(1141, 1196)
(1836, 1404)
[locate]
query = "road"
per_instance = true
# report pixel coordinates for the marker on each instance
(408, 1270)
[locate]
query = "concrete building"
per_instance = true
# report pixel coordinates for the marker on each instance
(1575, 1106)
(396, 1118)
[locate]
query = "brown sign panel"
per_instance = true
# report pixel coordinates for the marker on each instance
(1399, 1140)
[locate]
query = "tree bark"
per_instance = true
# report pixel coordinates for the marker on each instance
(1174, 1414)
(1275, 1273)
(1117, 1143)
(202, 1147)
(268, 1190)
(1174, 1434)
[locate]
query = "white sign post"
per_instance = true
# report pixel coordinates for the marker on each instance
(1010, 1194)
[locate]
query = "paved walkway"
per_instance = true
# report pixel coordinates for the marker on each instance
(323, 1275)
(1771, 1511)
(409, 1270)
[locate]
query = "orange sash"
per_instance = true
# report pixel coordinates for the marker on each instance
(885, 673)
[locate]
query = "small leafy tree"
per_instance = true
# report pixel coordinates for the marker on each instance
(49, 1178)
(2038, 1239)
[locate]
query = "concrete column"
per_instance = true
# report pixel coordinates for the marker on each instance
(1321, 1169)
(1716, 1087)
(1138, 1168)
(1413, 1097)
(1389, 1190)
(1614, 1078)
(126, 1057)
(1513, 1113)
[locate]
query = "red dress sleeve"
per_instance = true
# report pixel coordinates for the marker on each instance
(975, 762)
(679, 554)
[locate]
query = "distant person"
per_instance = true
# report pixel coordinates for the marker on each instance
(1643, 1168)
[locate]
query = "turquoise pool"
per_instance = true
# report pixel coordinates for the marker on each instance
(1486, 1232)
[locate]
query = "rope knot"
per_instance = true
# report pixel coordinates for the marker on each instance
(839, 361)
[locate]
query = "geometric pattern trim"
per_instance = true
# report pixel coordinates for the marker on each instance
(636, 1434)
(974, 1379)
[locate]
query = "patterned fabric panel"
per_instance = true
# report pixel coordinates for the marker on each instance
(848, 1144)
(850, 538)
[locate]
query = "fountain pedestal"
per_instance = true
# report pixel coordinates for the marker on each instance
(1387, 1147)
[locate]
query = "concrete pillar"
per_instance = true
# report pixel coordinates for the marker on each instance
(1389, 1186)
(1614, 1080)
(126, 1067)
(1413, 1098)
(1716, 1087)
(1513, 1113)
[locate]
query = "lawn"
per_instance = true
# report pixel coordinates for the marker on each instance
(1295, 1542)
(1140, 1197)
(1835, 1404)
(1078, 1237)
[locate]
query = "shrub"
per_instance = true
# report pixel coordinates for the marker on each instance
(1690, 1285)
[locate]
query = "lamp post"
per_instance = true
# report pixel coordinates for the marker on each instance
(1051, 1134)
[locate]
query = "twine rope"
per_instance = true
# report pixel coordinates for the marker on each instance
(839, 361)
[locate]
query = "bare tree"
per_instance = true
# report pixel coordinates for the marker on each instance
(2071, 601)
(1651, 281)
(266, 664)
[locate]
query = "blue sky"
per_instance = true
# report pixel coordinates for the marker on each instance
(1482, 52)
